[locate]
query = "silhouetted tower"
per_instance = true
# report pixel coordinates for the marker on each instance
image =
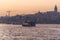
(55, 9)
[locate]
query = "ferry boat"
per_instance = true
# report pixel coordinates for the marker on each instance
(28, 23)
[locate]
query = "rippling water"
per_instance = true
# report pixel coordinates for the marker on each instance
(40, 32)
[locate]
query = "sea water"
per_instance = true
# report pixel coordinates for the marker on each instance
(39, 32)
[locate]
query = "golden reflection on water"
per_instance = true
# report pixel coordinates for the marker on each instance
(40, 32)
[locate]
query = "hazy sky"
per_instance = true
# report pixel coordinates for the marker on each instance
(27, 6)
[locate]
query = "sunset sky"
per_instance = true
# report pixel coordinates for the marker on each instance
(27, 6)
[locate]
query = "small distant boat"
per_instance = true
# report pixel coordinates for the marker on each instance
(28, 23)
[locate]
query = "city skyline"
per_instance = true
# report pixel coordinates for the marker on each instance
(27, 6)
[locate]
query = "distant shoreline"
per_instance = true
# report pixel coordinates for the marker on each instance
(17, 24)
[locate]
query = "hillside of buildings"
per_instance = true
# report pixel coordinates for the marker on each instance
(49, 17)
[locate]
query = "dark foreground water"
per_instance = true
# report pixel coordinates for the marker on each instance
(40, 32)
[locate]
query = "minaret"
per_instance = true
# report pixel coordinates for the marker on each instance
(8, 13)
(55, 9)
